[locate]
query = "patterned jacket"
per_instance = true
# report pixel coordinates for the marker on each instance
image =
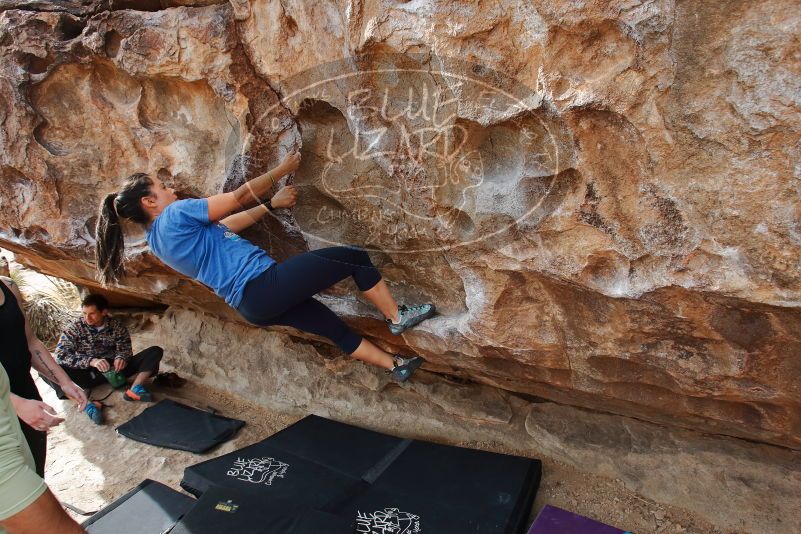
(80, 343)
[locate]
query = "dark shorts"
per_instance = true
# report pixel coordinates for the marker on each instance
(282, 295)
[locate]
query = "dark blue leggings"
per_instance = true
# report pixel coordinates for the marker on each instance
(282, 295)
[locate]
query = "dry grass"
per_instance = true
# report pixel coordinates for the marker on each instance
(51, 304)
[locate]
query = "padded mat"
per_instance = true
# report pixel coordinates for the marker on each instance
(553, 520)
(174, 425)
(230, 511)
(376, 481)
(149, 508)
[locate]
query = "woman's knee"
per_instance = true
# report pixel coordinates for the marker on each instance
(349, 342)
(358, 255)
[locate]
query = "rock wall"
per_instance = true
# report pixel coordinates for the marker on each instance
(737, 486)
(601, 199)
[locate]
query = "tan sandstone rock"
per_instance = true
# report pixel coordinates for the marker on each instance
(602, 199)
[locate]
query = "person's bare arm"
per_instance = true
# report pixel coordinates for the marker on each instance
(285, 198)
(244, 219)
(44, 514)
(250, 192)
(42, 360)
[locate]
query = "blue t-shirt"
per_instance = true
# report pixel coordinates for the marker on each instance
(183, 237)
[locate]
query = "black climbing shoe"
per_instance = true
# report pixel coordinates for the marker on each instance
(405, 367)
(409, 316)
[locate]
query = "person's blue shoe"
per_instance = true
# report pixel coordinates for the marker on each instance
(408, 316)
(138, 394)
(93, 411)
(405, 367)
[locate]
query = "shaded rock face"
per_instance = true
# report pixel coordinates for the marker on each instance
(602, 201)
(738, 486)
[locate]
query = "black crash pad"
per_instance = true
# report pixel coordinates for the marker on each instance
(231, 511)
(174, 425)
(373, 480)
(318, 473)
(444, 489)
(149, 508)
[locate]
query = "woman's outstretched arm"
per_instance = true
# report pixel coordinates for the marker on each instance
(250, 192)
(286, 197)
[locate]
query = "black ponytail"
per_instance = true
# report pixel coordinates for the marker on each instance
(109, 240)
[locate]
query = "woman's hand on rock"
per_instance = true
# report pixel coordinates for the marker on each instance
(291, 162)
(286, 197)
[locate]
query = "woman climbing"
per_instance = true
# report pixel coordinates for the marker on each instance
(199, 238)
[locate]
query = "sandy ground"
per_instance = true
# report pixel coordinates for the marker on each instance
(89, 466)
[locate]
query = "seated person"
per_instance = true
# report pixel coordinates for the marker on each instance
(97, 343)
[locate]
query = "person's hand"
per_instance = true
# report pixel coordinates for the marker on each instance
(291, 162)
(76, 393)
(286, 197)
(100, 364)
(119, 364)
(37, 414)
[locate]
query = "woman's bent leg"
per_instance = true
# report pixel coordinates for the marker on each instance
(327, 266)
(287, 284)
(304, 275)
(315, 317)
(382, 299)
(369, 353)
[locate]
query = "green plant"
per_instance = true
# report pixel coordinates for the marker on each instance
(51, 304)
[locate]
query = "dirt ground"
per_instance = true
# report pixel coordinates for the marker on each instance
(89, 466)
